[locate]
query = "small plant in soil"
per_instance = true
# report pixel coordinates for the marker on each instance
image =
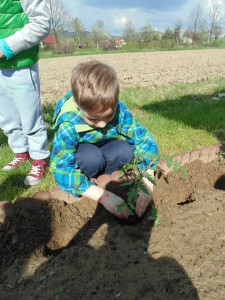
(175, 166)
(133, 175)
(58, 292)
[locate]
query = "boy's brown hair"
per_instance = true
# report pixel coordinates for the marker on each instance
(95, 86)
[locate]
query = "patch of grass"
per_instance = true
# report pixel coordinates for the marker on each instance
(128, 49)
(180, 118)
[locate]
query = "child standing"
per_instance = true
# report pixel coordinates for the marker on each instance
(23, 25)
(96, 134)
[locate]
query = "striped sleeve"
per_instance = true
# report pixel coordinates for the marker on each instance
(65, 171)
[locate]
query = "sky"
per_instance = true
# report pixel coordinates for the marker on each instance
(161, 14)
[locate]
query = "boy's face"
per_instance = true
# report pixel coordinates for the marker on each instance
(98, 120)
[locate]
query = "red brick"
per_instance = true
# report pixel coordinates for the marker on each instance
(213, 152)
(195, 154)
(204, 154)
(186, 157)
(178, 158)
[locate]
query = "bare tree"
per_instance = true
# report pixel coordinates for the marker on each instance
(177, 31)
(129, 34)
(78, 28)
(60, 18)
(196, 23)
(98, 33)
(147, 33)
(214, 22)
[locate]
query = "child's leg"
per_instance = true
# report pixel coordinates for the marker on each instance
(116, 154)
(9, 116)
(89, 159)
(23, 121)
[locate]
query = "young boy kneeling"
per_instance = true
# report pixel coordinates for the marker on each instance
(96, 134)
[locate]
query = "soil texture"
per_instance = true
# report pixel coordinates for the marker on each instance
(53, 250)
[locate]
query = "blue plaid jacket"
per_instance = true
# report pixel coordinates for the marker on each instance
(71, 129)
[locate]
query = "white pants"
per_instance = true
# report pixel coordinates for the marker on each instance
(21, 116)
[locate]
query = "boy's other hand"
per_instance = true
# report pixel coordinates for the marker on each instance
(143, 199)
(142, 203)
(109, 200)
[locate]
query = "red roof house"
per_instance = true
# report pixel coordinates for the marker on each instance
(49, 40)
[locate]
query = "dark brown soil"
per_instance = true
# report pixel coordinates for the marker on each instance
(53, 250)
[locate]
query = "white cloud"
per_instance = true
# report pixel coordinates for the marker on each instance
(120, 21)
(116, 19)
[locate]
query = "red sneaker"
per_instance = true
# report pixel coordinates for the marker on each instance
(37, 172)
(17, 161)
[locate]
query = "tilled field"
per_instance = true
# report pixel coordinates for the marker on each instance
(136, 69)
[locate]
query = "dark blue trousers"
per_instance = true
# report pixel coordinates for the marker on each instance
(94, 160)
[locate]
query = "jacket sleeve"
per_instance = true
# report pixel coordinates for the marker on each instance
(145, 148)
(63, 166)
(33, 32)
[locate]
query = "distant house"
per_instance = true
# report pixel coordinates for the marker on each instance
(187, 40)
(120, 42)
(82, 45)
(48, 41)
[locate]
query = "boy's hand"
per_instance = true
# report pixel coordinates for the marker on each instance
(109, 200)
(142, 203)
(143, 199)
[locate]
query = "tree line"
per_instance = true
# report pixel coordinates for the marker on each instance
(201, 28)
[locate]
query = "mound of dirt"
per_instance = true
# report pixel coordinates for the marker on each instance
(53, 250)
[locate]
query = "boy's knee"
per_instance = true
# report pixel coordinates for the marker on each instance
(126, 153)
(90, 160)
(123, 153)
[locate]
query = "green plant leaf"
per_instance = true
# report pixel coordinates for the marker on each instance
(184, 172)
(132, 167)
(132, 195)
(176, 166)
(154, 216)
(142, 187)
(154, 212)
(132, 207)
(122, 172)
(149, 177)
(169, 160)
(130, 211)
(156, 221)
(121, 206)
(127, 183)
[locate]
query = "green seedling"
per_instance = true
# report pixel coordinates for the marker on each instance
(154, 216)
(120, 277)
(59, 292)
(134, 175)
(175, 166)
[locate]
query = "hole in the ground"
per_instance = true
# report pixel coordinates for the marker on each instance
(220, 183)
